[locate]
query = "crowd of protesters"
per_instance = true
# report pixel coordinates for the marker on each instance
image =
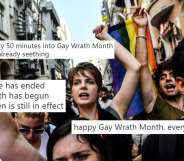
(31, 136)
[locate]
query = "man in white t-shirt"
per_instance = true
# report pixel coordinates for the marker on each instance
(104, 99)
(31, 125)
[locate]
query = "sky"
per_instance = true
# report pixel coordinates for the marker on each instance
(81, 16)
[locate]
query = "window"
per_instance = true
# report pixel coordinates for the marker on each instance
(42, 67)
(1, 17)
(15, 13)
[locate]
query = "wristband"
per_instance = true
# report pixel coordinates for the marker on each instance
(141, 36)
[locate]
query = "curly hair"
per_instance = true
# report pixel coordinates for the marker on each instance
(167, 65)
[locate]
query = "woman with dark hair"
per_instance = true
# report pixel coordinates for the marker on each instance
(86, 81)
(64, 146)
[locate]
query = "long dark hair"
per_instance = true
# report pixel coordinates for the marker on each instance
(95, 141)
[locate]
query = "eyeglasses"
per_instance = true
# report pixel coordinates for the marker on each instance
(37, 131)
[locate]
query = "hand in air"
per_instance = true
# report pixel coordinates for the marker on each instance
(140, 17)
(101, 32)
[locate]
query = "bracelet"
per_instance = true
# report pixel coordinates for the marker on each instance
(141, 36)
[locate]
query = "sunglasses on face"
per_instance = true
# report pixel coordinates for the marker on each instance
(37, 131)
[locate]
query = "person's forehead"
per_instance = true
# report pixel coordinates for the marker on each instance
(85, 74)
(72, 145)
(30, 120)
(167, 71)
(181, 79)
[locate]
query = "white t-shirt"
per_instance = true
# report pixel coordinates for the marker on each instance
(106, 104)
(43, 147)
(44, 140)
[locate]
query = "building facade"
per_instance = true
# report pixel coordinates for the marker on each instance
(159, 12)
(29, 20)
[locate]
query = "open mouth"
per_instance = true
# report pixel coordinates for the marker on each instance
(170, 87)
(83, 95)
